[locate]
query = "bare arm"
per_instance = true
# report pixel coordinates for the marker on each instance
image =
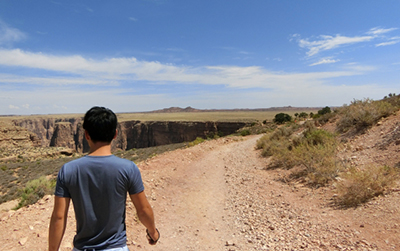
(145, 213)
(58, 222)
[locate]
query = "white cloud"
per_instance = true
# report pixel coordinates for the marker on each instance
(329, 42)
(9, 35)
(133, 19)
(378, 31)
(387, 43)
(328, 60)
(13, 107)
(394, 40)
(26, 106)
(8, 79)
(114, 70)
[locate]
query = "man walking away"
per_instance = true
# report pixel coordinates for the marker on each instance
(98, 184)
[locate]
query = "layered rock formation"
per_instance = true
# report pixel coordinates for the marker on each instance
(44, 127)
(131, 134)
(12, 135)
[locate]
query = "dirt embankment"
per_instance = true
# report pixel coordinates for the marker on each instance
(217, 196)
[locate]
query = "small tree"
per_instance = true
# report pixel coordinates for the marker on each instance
(303, 115)
(281, 118)
(324, 110)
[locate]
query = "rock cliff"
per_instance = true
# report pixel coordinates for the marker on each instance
(44, 127)
(12, 135)
(68, 132)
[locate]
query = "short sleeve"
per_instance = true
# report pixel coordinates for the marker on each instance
(135, 181)
(61, 189)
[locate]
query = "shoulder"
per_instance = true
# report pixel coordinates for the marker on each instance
(75, 163)
(120, 161)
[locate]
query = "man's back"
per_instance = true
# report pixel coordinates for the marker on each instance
(98, 186)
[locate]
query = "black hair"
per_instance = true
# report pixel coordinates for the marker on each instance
(100, 123)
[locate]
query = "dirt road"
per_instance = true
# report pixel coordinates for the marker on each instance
(216, 196)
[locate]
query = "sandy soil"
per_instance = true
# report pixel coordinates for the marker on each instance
(217, 196)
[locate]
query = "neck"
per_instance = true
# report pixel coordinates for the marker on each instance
(100, 149)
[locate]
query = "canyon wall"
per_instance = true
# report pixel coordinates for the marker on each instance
(131, 134)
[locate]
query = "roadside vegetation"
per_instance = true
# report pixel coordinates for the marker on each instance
(362, 114)
(35, 190)
(310, 152)
(29, 180)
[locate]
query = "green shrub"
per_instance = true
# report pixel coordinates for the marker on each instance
(197, 141)
(359, 186)
(324, 110)
(35, 190)
(281, 118)
(362, 114)
(245, 132)
(303, 115)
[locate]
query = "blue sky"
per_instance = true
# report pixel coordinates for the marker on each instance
(141, 55)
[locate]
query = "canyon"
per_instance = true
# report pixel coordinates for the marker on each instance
(68, 132)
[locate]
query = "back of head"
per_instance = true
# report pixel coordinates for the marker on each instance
(100, 123)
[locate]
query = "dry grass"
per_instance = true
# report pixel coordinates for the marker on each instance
(359, 186)
(362, 114)
(313, 151)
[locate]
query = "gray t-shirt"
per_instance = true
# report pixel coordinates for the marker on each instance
(98, 186)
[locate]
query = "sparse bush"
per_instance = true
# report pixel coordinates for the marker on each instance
(319, 162)
(313, 151)
(274, 138)
(245, 132)
(35, 190)
(197, 141)
(281, 118)
(359, 186)
(393, 99)
(362, 114)
(323, 119)
(214, 135)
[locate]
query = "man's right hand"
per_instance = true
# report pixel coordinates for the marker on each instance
(153, 236)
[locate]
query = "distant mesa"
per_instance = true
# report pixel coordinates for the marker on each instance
(191, 109)
(176, 109)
